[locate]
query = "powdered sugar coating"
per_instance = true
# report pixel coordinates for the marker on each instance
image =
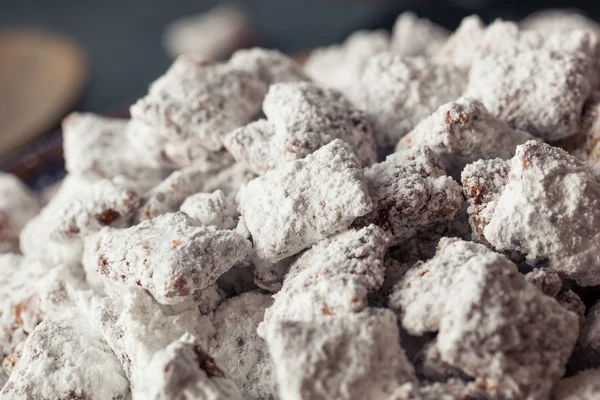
(462, 132)
(197, 101)
(353, 356)
(19, 283)
(35, 239)
(583, 386)
(549, 210)
(66, 359)
(230, 180)
(97, 148)
(17, 206)
(102, 203)
(169, 194)
(171, 256)
(267, 66)
(536, 83)
(184, 370)
(483, 182)
(492, 323)
(464, 44)
(301, 202)
(254, 145)
(302, 117)
(399, 92)
(136, 328)
(351, 262)
(410, 193)
(307, 117)
(211, 209)
(341, 66)
(414, 36)
(237, 347)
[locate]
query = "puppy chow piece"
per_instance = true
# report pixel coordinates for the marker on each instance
(17, 206)
(583, 386)
(254, 146)
(184, 370)
(211, 209)
(301, 118)
(351, 262)
(414, 36)
(267, 66)
(410, 192)
(462, 132)
(215, 33)
(399, 92)
(66, 359)
(483, 182)
(197, 101)
(230, 180)
(301, 202)
(557, 20)
(341, 66)
(354, 356)
(97, 148)
(171, 256)
(307, 117)
(102, 203)
(170, 194)
(492, 324)
(237, 347)
(463, 45)
(547, 210)
(536, 83)
(19, 281)
(137, 328)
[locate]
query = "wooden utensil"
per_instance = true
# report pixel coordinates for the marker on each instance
(41, 77)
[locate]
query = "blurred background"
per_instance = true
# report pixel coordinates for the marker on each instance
(100, 56)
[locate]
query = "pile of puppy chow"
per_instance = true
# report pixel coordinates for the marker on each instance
(414, 216)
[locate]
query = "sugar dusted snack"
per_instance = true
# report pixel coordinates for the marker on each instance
(420, 222)
(491, 323)
(464, 131)
(414, 36)
(17, 207)
(171, 256)
(320, 359)
(352, 261)
(301, 118)
(300, 202)
(515, 67)
(399, 92)
(410, 193)
(542, 203)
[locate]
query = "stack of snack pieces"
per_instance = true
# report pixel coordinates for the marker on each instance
(414, 216)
